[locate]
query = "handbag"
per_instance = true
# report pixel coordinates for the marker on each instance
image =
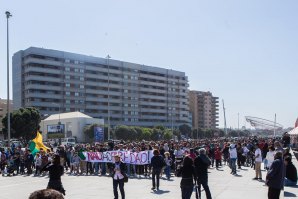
(125, 178)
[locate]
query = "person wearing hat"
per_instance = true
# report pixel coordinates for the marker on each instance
(118, 174)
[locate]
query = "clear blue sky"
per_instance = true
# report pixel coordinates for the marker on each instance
(245, 52)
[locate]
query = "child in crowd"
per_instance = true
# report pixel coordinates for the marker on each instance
(168, 162)
(38, 163)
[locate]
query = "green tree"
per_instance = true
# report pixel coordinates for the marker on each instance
(125, 133)
(147, 133)
(185, 130)
(168, 134)
(24, 123)
(89, 132)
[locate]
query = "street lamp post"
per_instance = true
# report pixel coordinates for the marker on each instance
(109, 125)
(8, 103)
(59, 111)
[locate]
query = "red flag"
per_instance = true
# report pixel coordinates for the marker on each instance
(296, 123)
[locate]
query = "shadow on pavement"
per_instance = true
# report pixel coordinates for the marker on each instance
(288, 194)
(159, 192)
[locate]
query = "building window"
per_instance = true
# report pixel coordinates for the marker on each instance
(67, 61)
(76, 70)
(82, 86)
(81, 70)
(82, 110)
(67, 77)
(76, 62)
(67, 93)
(67, 85)
(67, 109)
(67, 101)
(77, 94)
(82, 78)
(67, 69)
(125, 91)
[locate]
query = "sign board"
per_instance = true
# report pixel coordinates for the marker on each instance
(98, 134)
(55, 131)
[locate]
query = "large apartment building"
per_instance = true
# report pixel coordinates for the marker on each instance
(204, 109)
(127, 93)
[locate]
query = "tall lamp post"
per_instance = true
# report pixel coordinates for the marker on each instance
(109, 125)
(8, 103)
(59, 110)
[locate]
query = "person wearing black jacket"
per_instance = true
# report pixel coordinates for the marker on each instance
(118, 173)
(187, 172)
(55, 172)
(157, 162)
(291, 172)
(202, 162)
(275, 177)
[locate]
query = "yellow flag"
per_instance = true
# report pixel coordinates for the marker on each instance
(38, 142)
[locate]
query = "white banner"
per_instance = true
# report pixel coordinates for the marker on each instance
(140, 158)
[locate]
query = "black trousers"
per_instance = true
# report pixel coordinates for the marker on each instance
(273, 193)
(155, 174)
(186, 192)
(119, 183)
(204, 182)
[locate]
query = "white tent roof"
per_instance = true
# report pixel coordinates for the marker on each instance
(294, 131)
(67, 116)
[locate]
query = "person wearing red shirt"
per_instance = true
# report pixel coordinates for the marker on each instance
(218, 155)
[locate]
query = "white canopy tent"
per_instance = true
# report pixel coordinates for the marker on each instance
(294, 131)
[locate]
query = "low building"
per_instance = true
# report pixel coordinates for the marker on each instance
(67, 125)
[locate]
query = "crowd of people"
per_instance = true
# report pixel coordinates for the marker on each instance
(189, 159)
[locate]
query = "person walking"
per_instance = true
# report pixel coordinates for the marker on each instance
(202, 162)
(157, 163)
(233, 158)
(270, 157)
(56, 170)
(187, 172)
(275, 177)
(118, 174)
(258, 162)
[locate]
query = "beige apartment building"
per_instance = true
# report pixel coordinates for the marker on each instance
(204, 109)
(3, 111)
(129, 94)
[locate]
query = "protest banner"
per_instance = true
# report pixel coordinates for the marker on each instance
(140, 158)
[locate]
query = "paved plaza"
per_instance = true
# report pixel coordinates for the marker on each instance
(223, 185)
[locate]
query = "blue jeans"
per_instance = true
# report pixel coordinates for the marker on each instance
(96, 167)
(289, 182)
(167, 171)
(233, 165)
(186, 192)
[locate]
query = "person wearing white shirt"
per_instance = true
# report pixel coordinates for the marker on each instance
(270, 157)
(233, 158)
(258, 162)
